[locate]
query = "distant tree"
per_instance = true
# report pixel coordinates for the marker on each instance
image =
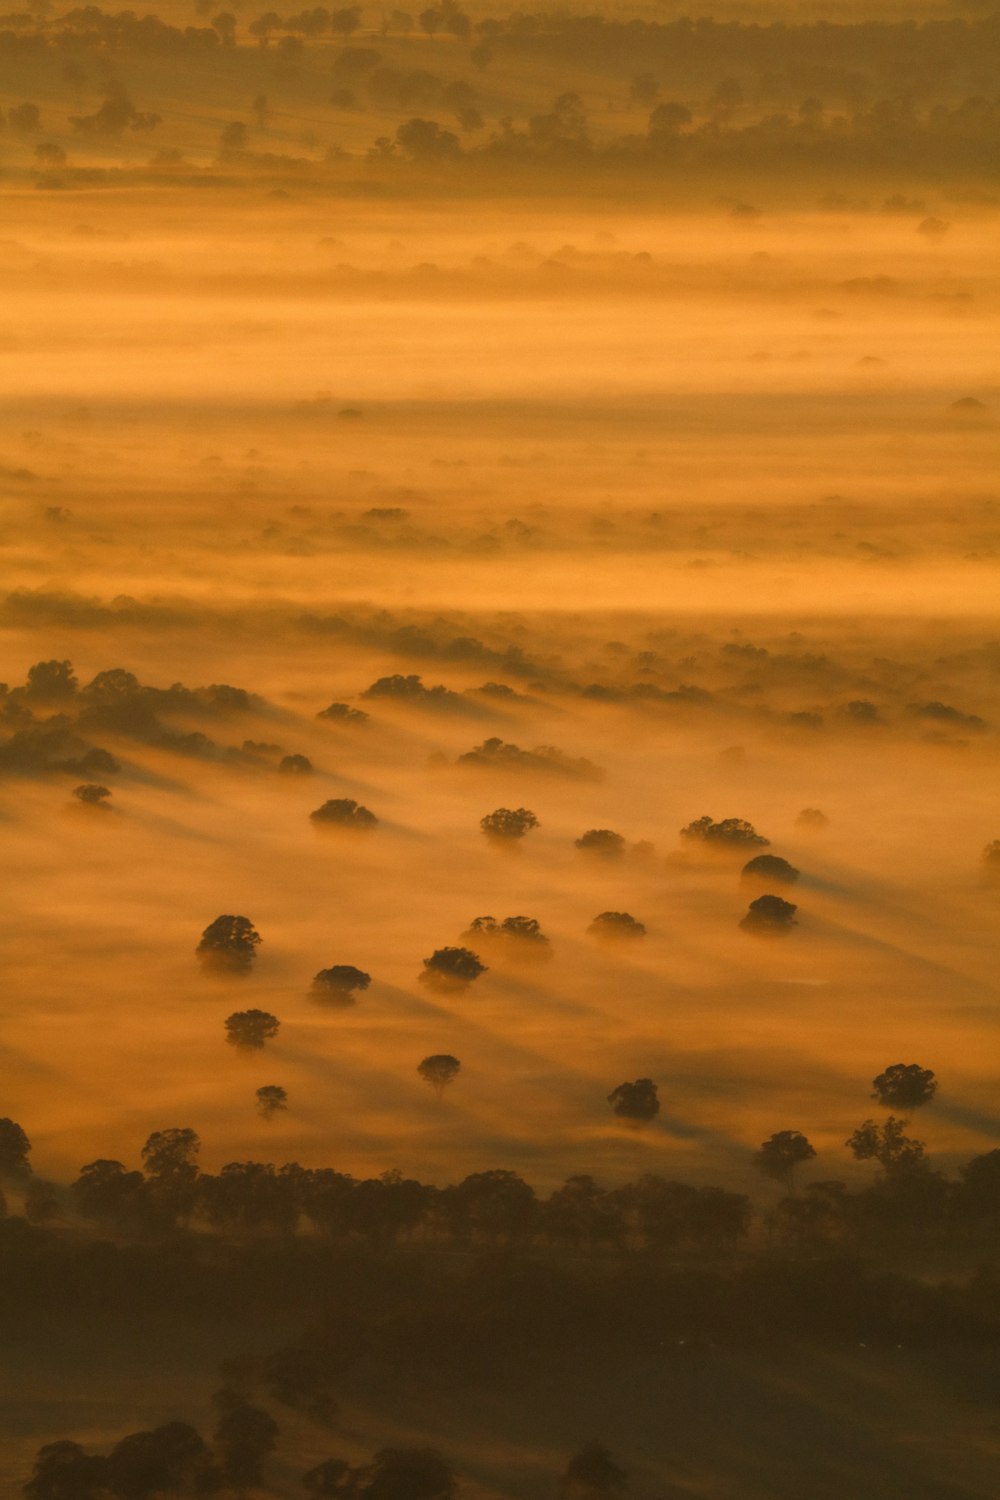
(14, 1150)
(50, 681)
(978, 1194)
(613, 926)
(781, 1153)
(601, 841)
(225, 25)
(42, 1201)
(92, 795)
(520, 937)
(108, 1194)
(171, 1153)
(342, 713)
(271, 1099)
(250, 1029)
(636, 1102)
(343, 813)
(229, 945)
(425, 140)
(508, 823)
(408, 1474)
(439, 1070)
(668, 120)
(346, 20)
(896, 1152)
(770, 867)
(991, 859)
(340, 983)
(452, 968)
(49, 154)
(769, 916)
(734, 834)
(295, 765)
(592, 1474)
(904, 1086)
(861, 711)
(64, 1471)
(172, 1458)
(811, 817)
(246, 1435)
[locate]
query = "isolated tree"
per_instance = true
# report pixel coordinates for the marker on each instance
(770, 868)
(508, 823)
(271, 1099)
(14, 1150)
(343, 813)
(250, 1029)
(50, 681)
(229, 945)
(601, 841)
(439, 1070)
(812, 818)
(452, 968)
(615, 926)
(889, 1145)
(340, 983)
(635, 1102)
(408, 1474)
(92, 795)
(520, 937)
(295, 765)
(592, 1474)
(730, 835)
(781, 1153)
(769, 916)
(904, 1086)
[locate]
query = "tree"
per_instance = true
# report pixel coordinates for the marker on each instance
(508, 823)
(904, 1086)
(781, 1153)
(63, 1471)
(108, 1194)
(644, 90)
(229, 945)
(343, 713)
(635, 1102)
(613, 926)
(592, 1474)
(49, 154)
(169, 1458)
(452, 968)
(520, 937)
(770, 868)
(92, 795)
(250, 1029)
(769, 916)
(601, 841)
(730, 835)
(991, 858)
(49, 681)
(425, 140)
(345, 21)
(295, 765)
(343, 813)
(812, 818)
(246, 1435)
(340, 983)
(439, 1070)
(667, 121)
(408, 1474)
(14, 1149)
(271, 1099)
(896, 1152)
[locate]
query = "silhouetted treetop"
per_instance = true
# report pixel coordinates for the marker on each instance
(250, 1029)
(452, 968)
(14, 1150)
(93, 795)
(781, 1153)
(508, 823)
(498, 753)
(229, 945)
(770, 867)
(343, 713)
(889, 1145)
(613, 926)
(271, 1099)
(343, 812)
(734, 834)
(601, 841)
(904, 1086)
(769, 916)
(340, 982)
(439, 1070)
(636, 1102)
(408, 1474)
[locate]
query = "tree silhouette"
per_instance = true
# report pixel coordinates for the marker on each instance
(343, 813)
(63, 1471)
(439, 1070)
(271, 1099)
(408, 1474)
(340, 983)
(614, 926)
(50, 681)
(508, 823)
(92, 795)
(452, 968)
(518, 937)
(636, 1102)
(781, 1153)
(108, 1194)
(991, 858)
(770, 868)
(601, 841)
(813, 818)
(295, 765)
(250, 1029)
(592, 1474)
(769, 916)
(172, 1458)
(904, 1086)
(896, 1152)
(229, 945)
(14, 1149)
(246, 1435)
(731, 834)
